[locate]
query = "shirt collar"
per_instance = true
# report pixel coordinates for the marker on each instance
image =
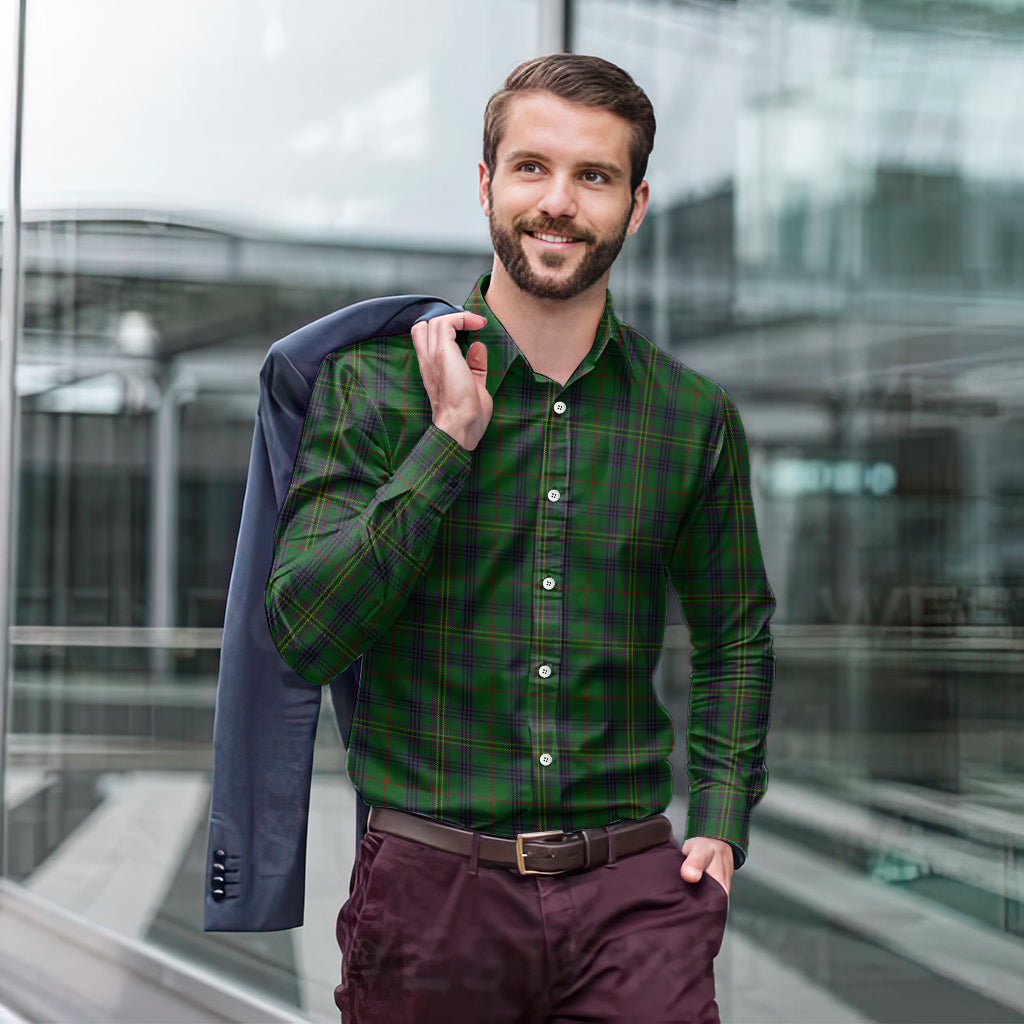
(502, 351)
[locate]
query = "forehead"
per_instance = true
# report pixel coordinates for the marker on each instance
(542, 123)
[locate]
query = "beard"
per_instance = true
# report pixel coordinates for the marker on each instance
(508, 247)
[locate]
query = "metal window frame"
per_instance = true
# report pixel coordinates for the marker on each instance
(10, 324)
(554, 26)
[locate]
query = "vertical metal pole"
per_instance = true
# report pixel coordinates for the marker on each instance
(10, 303)
(553, 24)
(163, 549)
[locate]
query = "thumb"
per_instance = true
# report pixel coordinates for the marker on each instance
(694, 865)
(477, 357)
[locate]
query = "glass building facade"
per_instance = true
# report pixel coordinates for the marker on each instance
(836, 235)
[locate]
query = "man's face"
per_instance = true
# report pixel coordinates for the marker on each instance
(559, 203)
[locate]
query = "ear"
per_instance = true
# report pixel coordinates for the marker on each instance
(485, 181)
(640, 200)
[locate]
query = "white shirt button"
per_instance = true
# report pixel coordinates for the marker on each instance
(553, 495)
(544, 671)
(545, 759)
(548, 583)
(559, 408)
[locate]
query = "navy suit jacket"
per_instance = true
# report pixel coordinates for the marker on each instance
(266, 715)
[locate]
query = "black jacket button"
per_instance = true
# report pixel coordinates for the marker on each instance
(219, 868)
(218, 894)
(219, 854)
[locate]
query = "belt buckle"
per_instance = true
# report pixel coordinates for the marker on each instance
(520, 855)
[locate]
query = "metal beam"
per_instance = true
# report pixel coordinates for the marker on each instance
(553, 26)
(163, 548)
(10, 309)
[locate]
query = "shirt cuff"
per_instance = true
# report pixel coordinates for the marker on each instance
(435, 470)
(707, 816)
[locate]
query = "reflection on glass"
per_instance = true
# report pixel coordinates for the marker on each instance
(836, 237)
(200, 179)
(8, 26)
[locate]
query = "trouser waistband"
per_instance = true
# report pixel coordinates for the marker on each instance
(531, 853)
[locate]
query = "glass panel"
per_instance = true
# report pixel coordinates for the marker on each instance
(8, 56)
(201, 178)
(836, 237)
(8, 26)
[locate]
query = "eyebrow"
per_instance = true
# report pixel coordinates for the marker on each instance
(613, 171)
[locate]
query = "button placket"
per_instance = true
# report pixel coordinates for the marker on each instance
(549, 601)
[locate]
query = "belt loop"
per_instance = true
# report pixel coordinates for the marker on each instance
(587, 852)
(611, 848)
(474, 854)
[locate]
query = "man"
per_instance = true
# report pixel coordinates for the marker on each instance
(488, 513)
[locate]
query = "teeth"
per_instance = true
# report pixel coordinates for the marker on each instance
(551, 238)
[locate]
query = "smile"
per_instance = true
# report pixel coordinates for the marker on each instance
(560, 239)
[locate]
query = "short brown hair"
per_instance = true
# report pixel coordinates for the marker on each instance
(575, 77)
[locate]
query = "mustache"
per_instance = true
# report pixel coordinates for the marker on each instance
(546, 226)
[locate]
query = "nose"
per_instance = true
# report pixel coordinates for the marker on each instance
(559, 198)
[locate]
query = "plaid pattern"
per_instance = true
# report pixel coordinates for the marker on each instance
(509, 604)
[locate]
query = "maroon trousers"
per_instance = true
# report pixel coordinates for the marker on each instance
(432, 938)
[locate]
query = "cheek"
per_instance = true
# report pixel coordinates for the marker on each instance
(515, 197)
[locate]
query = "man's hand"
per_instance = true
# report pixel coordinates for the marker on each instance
(711, 855)
(456, 386)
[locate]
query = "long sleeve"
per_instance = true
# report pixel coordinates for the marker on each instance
(718, 573)
(355, 532)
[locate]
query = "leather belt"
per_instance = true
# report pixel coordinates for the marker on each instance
(530, 853)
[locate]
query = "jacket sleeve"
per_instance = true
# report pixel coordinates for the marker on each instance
(718, 573)
(355, 531)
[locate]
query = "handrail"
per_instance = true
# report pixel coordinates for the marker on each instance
(169, 637)
(795, 638)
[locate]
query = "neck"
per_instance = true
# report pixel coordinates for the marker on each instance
(553, 334)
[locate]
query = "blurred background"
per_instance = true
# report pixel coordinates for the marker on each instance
(836, 235)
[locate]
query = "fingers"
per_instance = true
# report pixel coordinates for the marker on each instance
(704, 854)
(441, 332)
(435, 343)
(472, 321)
(456, 386)
(446, 326)
(434, 339)
(696, 863)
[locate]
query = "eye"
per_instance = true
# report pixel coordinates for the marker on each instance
(594, 177)
(529, 167)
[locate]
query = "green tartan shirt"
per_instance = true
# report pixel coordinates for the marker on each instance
(509, 603)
